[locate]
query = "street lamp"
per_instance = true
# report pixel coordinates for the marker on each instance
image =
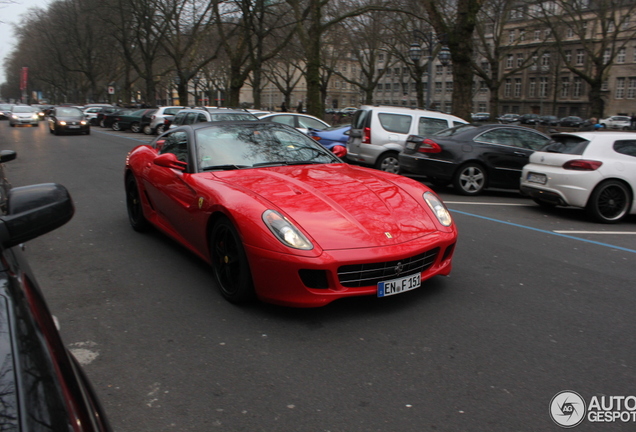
(415, 54)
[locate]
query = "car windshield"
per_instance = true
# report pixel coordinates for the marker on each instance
(69, 112)
(244, 145)
(23, 109)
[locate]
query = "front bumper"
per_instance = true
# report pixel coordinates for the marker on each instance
(292, 280)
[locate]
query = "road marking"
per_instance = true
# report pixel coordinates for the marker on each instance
(546, 232)
(487, 203)
(595, 232)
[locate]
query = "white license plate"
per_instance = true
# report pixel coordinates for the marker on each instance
(537, 178)
(410, 145)
(73, 127)
(399, 285)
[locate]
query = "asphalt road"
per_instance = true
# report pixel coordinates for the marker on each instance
(538, 302)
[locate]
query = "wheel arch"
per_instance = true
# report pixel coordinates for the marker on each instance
(618, 179)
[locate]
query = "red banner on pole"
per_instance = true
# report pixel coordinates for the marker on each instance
(24, 76)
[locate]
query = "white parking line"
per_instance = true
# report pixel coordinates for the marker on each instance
(595, 232)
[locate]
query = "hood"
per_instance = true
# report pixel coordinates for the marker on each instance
(340, 206)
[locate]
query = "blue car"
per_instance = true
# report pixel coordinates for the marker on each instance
(333, 138)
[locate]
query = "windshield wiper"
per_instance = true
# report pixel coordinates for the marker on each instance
(227, 167)
(277, 163)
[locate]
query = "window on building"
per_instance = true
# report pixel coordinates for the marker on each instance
(631, 88)
(545, 61)
(507, 87)
(510, 61)
(565, 87)
(568, 56)
(532, 88)
(580, 57)
(380, 58)
(520, 59)
(569, 33)
(517, 87)
(620, 88)
(537, 35)
(438, 87)
(547, 33)
(577, 88)
(522, 35)
(511, 36)
(606, 55)
(543, 87)
(605, 85)
(439, 69)
(449, 87)
(621, 55)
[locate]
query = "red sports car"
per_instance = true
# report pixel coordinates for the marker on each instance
(281, 218)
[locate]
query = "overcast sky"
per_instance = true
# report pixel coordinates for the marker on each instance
(10, 14)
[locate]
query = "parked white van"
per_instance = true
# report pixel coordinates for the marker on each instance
(378, 133)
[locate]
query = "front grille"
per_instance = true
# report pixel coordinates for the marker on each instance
(360, 275)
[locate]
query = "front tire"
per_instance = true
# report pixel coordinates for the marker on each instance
(147, 130)
(470, 179)
(388, 162)
(133, 204)
(135, 127)
(609, 202)
(161, 129)
(229, 263)
(116, 126)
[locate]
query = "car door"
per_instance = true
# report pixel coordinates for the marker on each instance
(503, 151)
(169, 189)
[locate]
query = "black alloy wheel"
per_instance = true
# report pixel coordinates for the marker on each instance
(470, 179)
(133, 204)
(609, 202)
(229, 263)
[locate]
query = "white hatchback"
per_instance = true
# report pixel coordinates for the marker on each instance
(591, 170)
(617, 122)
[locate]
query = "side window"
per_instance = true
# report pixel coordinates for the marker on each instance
(429, 126)
(627, 147)
(201, 118)
(306, 122)
(190, 117)
(177, 144)
(455, 123)
(284, 119)
(172, 111)
(531, 140)
(397, 123)
(178, 119)
(497, 136)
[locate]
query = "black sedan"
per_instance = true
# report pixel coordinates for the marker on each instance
(134, 120)
(571, 121)
(68, 120)
(472, 158)
(43, 386)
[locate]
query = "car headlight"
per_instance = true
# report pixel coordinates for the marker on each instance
(83, 122)
(439, 209)
(15, 117)
(62, 123)
(35, 116)
(285, 231)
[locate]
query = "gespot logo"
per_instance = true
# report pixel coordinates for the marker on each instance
(567, 409)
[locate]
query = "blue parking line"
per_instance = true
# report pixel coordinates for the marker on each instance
(546, 232)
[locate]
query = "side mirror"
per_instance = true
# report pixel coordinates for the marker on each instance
(7, 155)
(33, 211)
(169, 160)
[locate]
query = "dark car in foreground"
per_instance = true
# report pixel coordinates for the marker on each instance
(68, 120)
(43, 385)
(473, 158)
(281, 218)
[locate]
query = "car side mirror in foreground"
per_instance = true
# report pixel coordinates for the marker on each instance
(169, 160)
(33, 211)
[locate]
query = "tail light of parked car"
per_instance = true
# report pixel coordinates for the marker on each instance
(422, 145)
(582, 165)
(366, 135)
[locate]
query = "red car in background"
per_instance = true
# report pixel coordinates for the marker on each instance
(281, 218)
